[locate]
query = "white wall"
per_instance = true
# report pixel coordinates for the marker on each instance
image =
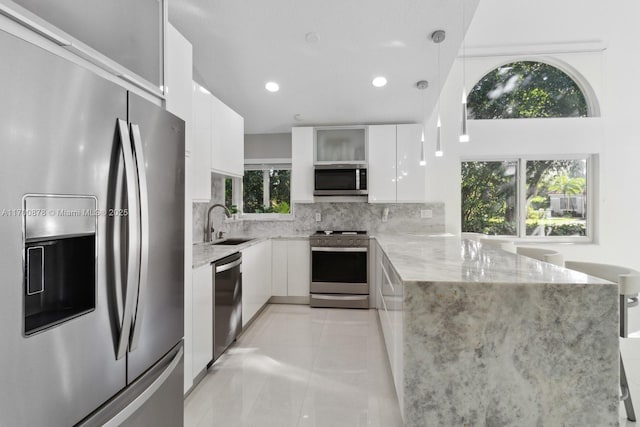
(267, 146)
(610, 75)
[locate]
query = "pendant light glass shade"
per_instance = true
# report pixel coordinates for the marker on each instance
(439, 152)
(464, 135)
(423, 161)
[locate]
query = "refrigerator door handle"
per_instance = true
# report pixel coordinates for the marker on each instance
(133, 241)
(130, 409)
(144, 234)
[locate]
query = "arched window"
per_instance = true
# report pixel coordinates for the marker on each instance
(526, 89)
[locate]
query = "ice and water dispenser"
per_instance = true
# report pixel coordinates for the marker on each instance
(59, 259)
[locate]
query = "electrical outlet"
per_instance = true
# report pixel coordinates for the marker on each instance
(318, 217)
(426, 213)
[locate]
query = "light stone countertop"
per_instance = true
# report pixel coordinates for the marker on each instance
(487, 337)
(445, 258)
(206, 253)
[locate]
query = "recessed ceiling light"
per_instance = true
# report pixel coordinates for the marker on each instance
(272, 86)
(379, 81)
(311, 38)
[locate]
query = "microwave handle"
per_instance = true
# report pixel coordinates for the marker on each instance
(357, 179)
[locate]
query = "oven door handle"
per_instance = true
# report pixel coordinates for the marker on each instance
(337, 249)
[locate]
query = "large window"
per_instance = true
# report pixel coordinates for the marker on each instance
(266, 189)
(526, 89)
(526, 197)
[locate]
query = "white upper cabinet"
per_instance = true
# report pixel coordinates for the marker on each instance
(218, 141)
(395, 174)
(201, 144)
(122, 36)
(178, 80)
(382, 164)
(227, 154)
(341, 145)
(302, 165)
(411, 176)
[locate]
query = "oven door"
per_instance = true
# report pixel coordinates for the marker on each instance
(339, 270)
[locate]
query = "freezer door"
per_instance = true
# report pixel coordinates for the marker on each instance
(155, 399)
(159, 319)
(57, 137)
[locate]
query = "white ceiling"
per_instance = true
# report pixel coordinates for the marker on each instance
(239, 45)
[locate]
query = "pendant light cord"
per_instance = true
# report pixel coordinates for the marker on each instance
(464, 50)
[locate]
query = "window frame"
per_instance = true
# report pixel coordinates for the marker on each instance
(589, 94)
(264, 165)
(521, 200)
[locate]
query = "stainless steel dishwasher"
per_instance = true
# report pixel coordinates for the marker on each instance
(227, 302)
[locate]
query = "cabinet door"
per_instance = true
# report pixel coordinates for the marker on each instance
(411, 176)
(302, 165)
(385, 293)
(178, 79)
(250, 283)
(227, 154)
(127, 32)
(256, 279)
(299, 268)
(279, 268)
(201, 144)
(202, 318)
(341, 145)
(382, 164)
(236, 143)
(264, 269)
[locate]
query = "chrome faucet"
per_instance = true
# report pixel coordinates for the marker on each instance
(208, 229)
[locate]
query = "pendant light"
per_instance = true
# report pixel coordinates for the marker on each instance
(438, 37)
(423, 161)
(439, 152)
(422, 85)
(464, 134)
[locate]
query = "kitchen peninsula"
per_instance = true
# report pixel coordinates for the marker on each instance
(485, 337)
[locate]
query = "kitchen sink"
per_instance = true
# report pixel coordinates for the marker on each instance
(231, 242)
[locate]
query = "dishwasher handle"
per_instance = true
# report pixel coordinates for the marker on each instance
(224, 267)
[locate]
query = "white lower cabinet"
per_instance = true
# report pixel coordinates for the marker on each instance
(256, 279)
(279, 267)
(390, 293)
(291, 268)
(298, 268)
(202, 325)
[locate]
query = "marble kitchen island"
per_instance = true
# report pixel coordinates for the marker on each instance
(480, 337)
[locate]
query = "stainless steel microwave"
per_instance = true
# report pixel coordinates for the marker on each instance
(340, 180)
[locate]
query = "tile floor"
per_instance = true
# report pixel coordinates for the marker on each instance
(297, 366)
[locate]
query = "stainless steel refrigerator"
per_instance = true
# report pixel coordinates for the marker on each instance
(91, 248)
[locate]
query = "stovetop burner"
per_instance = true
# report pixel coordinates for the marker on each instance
(339, 232)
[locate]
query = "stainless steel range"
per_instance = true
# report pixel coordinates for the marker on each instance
(339, 269)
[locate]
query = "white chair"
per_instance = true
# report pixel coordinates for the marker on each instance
(628, 281)
(542, 254)
(504, 244)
